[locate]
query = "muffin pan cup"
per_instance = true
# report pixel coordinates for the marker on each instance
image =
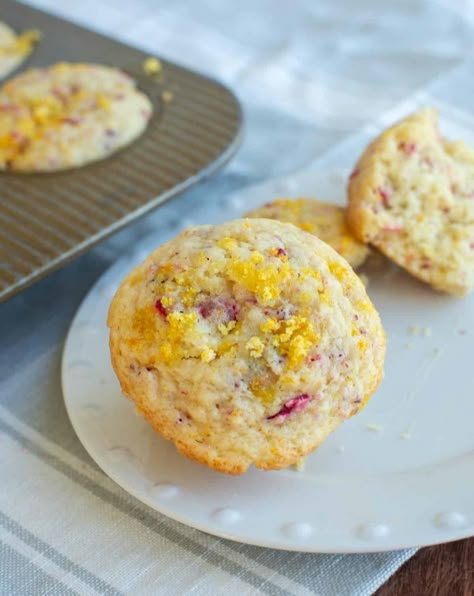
(48, 219)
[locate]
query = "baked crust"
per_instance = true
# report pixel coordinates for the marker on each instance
(245, 343)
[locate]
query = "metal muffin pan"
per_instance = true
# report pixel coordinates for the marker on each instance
(48, 219)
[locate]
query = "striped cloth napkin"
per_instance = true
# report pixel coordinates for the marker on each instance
(309, 75)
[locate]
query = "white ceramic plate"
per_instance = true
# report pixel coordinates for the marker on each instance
(399, 474)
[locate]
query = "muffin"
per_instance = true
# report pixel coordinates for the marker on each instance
(14, 48)
(324, 220)
(68, 115)
(412, 196)
(245, 343)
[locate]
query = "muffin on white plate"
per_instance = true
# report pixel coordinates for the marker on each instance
(324, 220)
(246, 343)
(411, 195)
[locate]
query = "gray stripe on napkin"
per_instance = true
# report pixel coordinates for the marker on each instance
(148, 519)
(20, 576)
(294, 567)
(56, 557)
(315, 571)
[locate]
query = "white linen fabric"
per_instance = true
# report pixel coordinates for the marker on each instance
(309, 75)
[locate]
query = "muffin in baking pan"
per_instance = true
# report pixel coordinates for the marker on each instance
(68, 115)
(14, 48)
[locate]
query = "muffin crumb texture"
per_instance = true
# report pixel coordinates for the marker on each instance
(246, 343)
(412, 196)
(152, 66)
